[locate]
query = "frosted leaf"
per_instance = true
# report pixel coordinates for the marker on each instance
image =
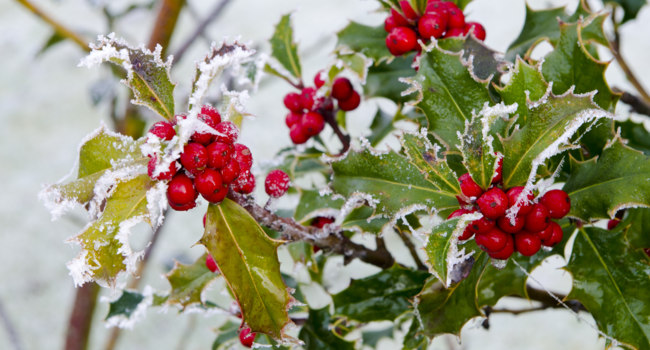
(125, 321)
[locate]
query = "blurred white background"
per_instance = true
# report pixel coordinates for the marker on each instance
(45, 110)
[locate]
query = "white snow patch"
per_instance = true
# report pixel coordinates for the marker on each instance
(157, 203)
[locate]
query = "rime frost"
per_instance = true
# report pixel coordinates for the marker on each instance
(137, 315)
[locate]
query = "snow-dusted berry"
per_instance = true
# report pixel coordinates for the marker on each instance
(276, 183)
(468, 186)
(206, 137)
(509, 226)
(321, 221)
(166, 175)
(243, 156)
(211, 112)
(230, 171)
(246, 337)
(228, 132)
(526, 203)
(475, 28)
(432, 25)
(245, 183)
(318, 80)
(164, 130)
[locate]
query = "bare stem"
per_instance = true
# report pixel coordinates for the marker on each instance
(165, 23)
(614, 47)
(57, 26)
(637, 104)
(81, 317)
(200, 29)
(10, 328)
(411, 247)
(330, 119)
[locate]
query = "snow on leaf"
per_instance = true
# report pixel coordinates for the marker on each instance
(526, 85)
(129, 308)
(188, 282)
(425, 156)
(486, 63)
(147, 74)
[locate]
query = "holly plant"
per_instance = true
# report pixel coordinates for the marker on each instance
(484, 164)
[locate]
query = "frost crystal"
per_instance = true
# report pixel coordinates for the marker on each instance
(137, 315)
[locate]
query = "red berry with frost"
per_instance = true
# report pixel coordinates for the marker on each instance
(493, 203)
(227, 132)
(308, 98)
(164, 130)
(293, 102)
(455, 18)
(165, 175)
(468, 186)
(492, 241)
(526, 203)
(508, 226)
(454, 32)
(440, 7)
(208, 183)
(230, 171)
(499, 172)
(432, 25)
(312, 123)
(211, 112)
(611, 224)
(342, 89)
(475, 28)
(178, 118)
(401, 40)
(321, 221)
(556, 236)
(276, 183)
(527, 244)
(408, 11)
(292, 118)
(557, 202)
(507, 250)
(205, 137)
(318, 80)
(194, 157)
(246, 337)
(181, 191)
(243, 156)
(219, 154)
(245, 183)
(538, 219)
(211, 264)
(351, 103)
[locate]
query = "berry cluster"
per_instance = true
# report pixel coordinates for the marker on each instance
(441, 19)
(498, 234)
(211, 162)
(307, 111)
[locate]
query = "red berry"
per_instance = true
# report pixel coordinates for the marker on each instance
(389, 24)
(293, 102)
(180, 190)
(548, 231)
(219, 154)
(243, 156)
(493, 203)
(308, 98)
(194, 157)
(432, 25)
(526, 205)
(351, 103)
(506, 252)
(208, 183)
(166, 175)
(401, 40)
(211, 112)
(246, 337)
(321, 221)
(538, 219)
(440, 7)
(342, 89)
(217, 196)
(557, 202)
(292, 118)
(457, 213)
(206, 137)
(475, 28)
(178, 118)
(276, 183)
(492, 241)
(164, 130)
(556, 236)
(454, 32)
(298, 134)
(527, 244)
(611, 224)
(506, 225)
(205, 216)
(408, 11)
(497, 177)
(211, 264)
(482, 225)
(455, 18)
(318, 80)
(230, 171)
(182, 207)
(400, 21)
(324, 103)
(312, 123)
(228, 132)
(468, 186)
(245, 183)
(467, 233)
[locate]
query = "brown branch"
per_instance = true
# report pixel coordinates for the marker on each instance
(614, 47)
(330, 118)
(329, 238)
(165, 24)
(57, 26)
(637, 104)
(411, 247)
(543, 297)
(81, 317)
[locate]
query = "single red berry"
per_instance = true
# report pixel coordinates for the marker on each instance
(475, 28)
(166, 175)
(292, 118)
(401, 40)
(243, 156)
(246, 337)
(318, 80)
(211, 112)
(467, 233)
(526, 203)
(293, 102)
(217, 196)
(219, 154)
(547, 233)
(499, 172)
(455, 18)
(342, 89)
(227, 132)
(308, 98)
(178, 118)
(439, 7)
(245, 183)
(507, 226)
(389, 24)
(454, 32)
(298, 134)
(194, 157)
(321, 221)
(312, 123)
(556, 236)
(211, 264)
(205, 138)
(457, 213)
(506, 252)
(432, 25)
(182, 207)
(482, 225)
(492, 241)
(527, 244)
(611, 224)
(230, 171)
(468, 186)
(164, 130)
(276, 183)
(180, 190)
(493, 203)
(646, 251)
(408, 11)
(208, 183)
(538, 219)
(557, 202)
(351, 103)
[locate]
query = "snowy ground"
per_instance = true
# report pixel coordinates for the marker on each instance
(45, 110)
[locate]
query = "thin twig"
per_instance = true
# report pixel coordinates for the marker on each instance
(80, 319)
(411, 247)
(218, 9)
(11, 330)
(57, 26)
(330, 119)
(165, 24)
(637, 104)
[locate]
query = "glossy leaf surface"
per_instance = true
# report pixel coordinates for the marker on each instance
(188, 282)
(284, 49)
(318, 334)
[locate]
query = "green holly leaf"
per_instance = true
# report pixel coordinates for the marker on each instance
(636, 134)
(611, 280)
(313, 204)
(105, 149)
(637, 226)
(486, 63)
(284, 49)
(414, 339)
(367, 40)
(318, 334)
(383, 296)
(226, 335)
(188, 282)
(617, 179)
(526, 85)
(631, 8)
(448, 94)
(389, 182)
(125, 305)
(248, 260)
(382, 125)
(384, 79)
(148, 76)
(355, 63)
(571, 66)
(299, 164)
(362, 219)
